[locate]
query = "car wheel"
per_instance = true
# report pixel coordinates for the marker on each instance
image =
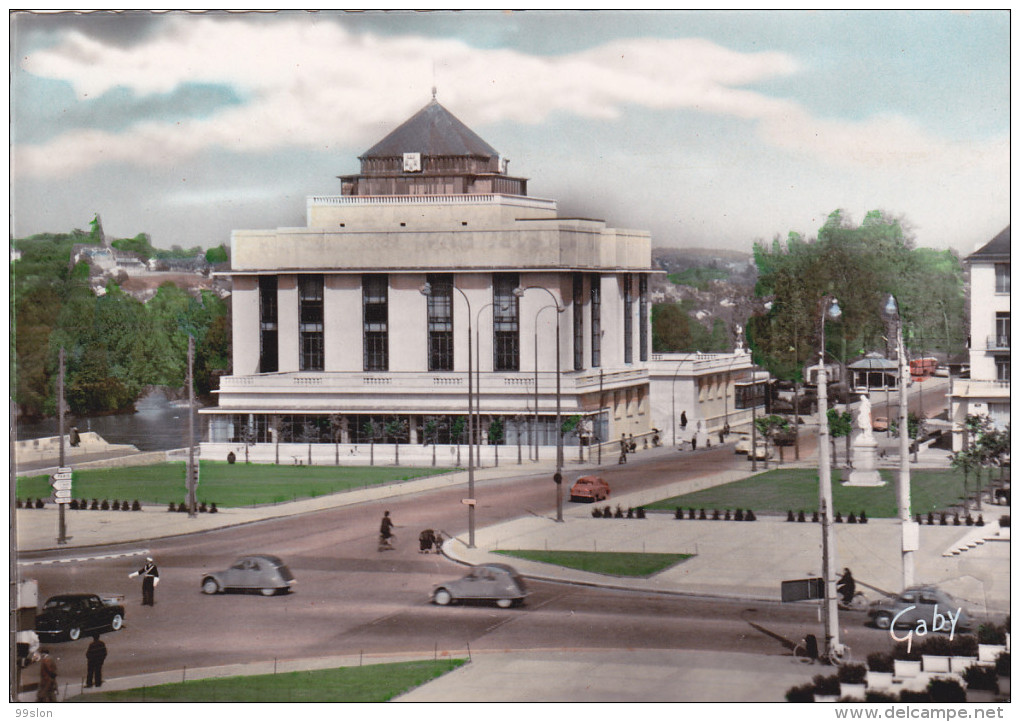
(883, 621)
(117, 622)
(442, 597)
(73, 633)
(267, 591)
(210, 586)
(504, 603)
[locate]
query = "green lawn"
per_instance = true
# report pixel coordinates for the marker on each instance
(371, 683)
(622, 564)
(780, 490)
(225, 484)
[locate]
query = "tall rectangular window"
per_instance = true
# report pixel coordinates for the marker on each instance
(578, 303)
(310, 312)
(440, 322)
(1002, 330)
(1002, 369)
(643, 316)
(596, 321)
(1002, 278)
(628, 321)
(375, 308)
(268, 332)
(505, 323)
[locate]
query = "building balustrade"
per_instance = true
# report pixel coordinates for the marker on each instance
(448, 200)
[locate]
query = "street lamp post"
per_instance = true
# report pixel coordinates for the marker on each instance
(908, 528)
(830, 609)
(426, 290)
(558, 478)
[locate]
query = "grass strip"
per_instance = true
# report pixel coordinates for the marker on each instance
(225, 484)
(780, 490)
(370, 683)
(621, 564)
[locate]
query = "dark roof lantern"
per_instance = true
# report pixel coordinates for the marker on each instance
(432, 131)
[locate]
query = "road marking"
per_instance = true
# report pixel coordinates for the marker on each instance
(95, 557)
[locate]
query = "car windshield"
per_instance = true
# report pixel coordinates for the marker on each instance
(63, 605)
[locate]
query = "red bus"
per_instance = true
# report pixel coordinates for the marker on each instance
(923, 368)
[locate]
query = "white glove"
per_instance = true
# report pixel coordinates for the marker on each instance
(155, 582)
(132, 575)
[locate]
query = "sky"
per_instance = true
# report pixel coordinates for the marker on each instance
(708, 129)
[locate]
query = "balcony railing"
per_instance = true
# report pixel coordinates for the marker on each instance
(998, 343)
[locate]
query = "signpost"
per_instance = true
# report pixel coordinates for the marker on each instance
(61, 483)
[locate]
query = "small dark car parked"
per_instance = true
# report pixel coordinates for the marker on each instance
(68, 616)
(494, 582)
(256, 572)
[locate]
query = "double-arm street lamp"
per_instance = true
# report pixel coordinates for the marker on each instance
(558, 478)
(828, 308)
(891, 311)
(426, 290)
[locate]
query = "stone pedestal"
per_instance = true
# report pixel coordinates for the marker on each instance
(864, 452)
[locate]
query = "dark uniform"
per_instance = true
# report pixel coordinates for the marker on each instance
(47, 679)
(150, 577)
(95, 655)
(846, 586)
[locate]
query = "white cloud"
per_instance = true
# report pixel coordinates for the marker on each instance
(319, 85)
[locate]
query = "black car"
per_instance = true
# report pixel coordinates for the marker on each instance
(67, 616)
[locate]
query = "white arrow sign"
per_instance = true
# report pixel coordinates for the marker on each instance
(62, 476)
(62, 485)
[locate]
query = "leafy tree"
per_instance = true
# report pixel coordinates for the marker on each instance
(840, 426)
(216, 255)
(457, 427)
(396, 429)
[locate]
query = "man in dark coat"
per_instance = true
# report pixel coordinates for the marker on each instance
(150, 578)
(95, 655)
(683, 419)
(386, 531)
(47, 677)
(846, 586)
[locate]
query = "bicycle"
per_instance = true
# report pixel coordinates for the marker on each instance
(838, 656)
(858, 603)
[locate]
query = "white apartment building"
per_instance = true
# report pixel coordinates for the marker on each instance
(361, 326)
(986, 392)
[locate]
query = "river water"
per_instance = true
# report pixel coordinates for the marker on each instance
(155, 426)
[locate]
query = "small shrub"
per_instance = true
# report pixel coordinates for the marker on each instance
(715, 515)
(729, 517)
(17, 503)
(105, 506)
(825, 685)
(800, 516)
(876, 696)
(946, 690)
(917, 519)
(116, 505)
(936, 644)
(678, 514)
(749, 516)
(931, 519)
(852, 519)
(630, 513)
(39, 503)
(203, 508)
(900, 652)
(880, 662)
(970, 520)
(989, 633)
(701, 515)
(95, 505)
(172, 507)
(789, 515)
(690, 514)
(802, 693)
(956, 519)
(909, 695)
(136, 506)
(213, 509)
(596, 513)
(738, 515)
(853, 674)
(814, 517)
(1002, 664)
(1004, 520)
(863, 518)
(73, 504)
(619, 512)
(980, 520)
(839, 518)
(943, 521)
(964, 645)
(182, 507)
(979, 677)
(640, 513)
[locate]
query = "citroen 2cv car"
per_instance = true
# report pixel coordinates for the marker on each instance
(494, 582)
(589, 488)
(257, 572)
(68, 616)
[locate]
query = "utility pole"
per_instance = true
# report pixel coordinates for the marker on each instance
(192, 476)
(61, 520)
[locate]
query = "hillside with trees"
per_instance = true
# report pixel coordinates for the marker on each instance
(115, 346)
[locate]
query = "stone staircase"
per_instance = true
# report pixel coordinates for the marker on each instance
(990, 532)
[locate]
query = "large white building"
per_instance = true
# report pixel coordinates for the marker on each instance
(986, 392)
(362, 316)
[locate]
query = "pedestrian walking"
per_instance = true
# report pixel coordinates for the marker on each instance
(150, 578)
(683, 420)
(694, 443)
(386, 532)
(95, 655)
(47, 677)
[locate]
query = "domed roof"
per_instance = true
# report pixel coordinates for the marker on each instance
(432, 131)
